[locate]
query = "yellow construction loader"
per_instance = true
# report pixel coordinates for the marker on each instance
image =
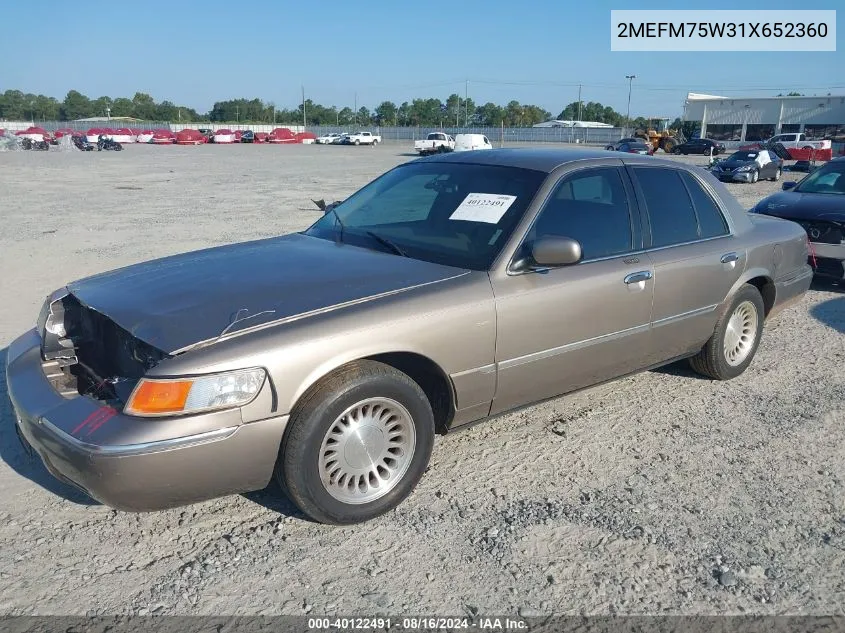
(665, 139)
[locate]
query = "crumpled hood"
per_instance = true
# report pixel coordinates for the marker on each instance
(178, 301)
(804, 206)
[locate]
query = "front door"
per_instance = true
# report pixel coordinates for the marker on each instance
(573, 326)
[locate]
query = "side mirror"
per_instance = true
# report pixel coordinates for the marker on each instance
(789, 184)
(555, 251)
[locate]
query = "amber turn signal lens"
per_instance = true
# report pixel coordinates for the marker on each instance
(152, 397)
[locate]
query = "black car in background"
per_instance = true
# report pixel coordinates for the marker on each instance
(817, 203)
(699, 146)
(631, 146)
(248, 136)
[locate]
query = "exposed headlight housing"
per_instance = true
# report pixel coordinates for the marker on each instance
(195, 394)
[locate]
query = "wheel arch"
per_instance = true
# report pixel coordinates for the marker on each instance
(427, 373)
(761, 279)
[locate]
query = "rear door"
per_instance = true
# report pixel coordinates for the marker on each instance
(696, 258)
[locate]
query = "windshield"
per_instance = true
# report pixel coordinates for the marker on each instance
(456, 214)
(828, 179)
(743, 156)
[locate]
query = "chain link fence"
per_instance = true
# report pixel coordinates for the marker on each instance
(498, 136)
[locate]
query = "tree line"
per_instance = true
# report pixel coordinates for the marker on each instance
(453, 111)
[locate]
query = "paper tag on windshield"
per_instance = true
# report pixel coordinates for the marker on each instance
(483, 207)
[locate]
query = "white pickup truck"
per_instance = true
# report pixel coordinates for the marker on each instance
(362, 138)
(797, 141)
(434, 143)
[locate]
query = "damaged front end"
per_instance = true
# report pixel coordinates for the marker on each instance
(86, 353)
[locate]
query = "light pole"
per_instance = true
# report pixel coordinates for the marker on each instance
(466, 104)
(630, 79)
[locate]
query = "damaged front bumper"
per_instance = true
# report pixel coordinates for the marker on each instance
(828, 260)
(131, 463)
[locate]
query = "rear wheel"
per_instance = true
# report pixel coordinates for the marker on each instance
(735, 339)
(357, 444)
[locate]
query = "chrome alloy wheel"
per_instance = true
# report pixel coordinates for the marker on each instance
(367, 450)
(740, 333)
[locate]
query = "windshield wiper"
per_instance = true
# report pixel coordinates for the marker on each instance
(386, 242)
(325, 208)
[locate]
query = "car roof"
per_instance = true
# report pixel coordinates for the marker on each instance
(540, 159)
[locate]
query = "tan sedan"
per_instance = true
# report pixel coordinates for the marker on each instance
(449, 289)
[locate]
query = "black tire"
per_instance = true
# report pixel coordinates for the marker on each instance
(297, 469)
(755, 176)
(357, 142)
(777, 175)
(676, 151)
(711, 360)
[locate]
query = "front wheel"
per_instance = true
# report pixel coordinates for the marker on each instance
(357, 142)
(736, 338)
(777, 175)
(755, 176)
(357, 444)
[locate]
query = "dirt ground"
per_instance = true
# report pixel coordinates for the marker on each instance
(660, 493)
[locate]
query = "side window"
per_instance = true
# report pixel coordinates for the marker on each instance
(592, 207)
(710, 219)
(670, 209)
(486, 142)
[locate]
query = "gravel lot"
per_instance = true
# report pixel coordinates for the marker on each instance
(660, 493)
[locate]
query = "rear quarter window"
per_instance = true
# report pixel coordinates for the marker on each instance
(711, 222)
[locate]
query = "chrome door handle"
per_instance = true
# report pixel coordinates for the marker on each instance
(633, 278)
(727, 258)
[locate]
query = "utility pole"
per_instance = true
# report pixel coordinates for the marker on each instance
(466, 104)
(303, 108)
(630, 79)
(579, 102)
(238, 114)
(356, 110)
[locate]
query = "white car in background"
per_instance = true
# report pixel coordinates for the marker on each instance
(797, 141)
(362, 138)
(328, 139)
(434, 143)
(468, 142)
